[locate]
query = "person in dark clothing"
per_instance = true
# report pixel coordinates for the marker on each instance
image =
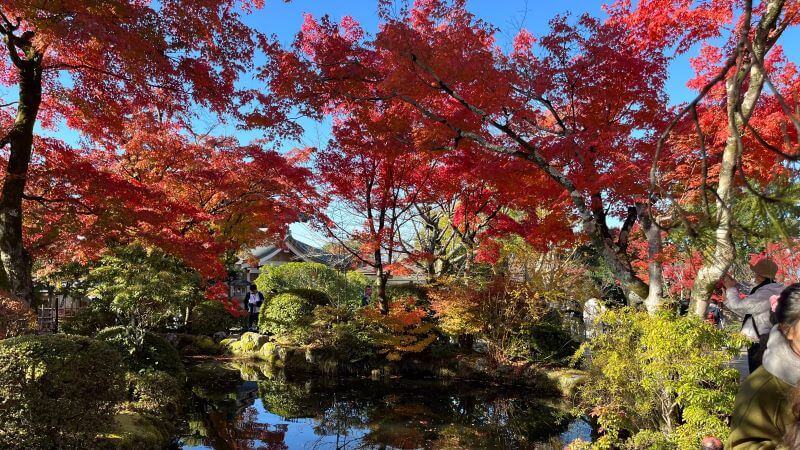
(366, 297)
(714, 314)
(683, 306)
(252, 303)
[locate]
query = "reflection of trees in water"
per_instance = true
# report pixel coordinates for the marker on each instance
(351, 414)
(222, 414)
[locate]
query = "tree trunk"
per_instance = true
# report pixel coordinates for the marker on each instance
(655, 283)
(15, 258)
(614, 253)
(380, 285)
(724, 252)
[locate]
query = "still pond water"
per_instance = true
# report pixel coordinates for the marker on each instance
(241, 407)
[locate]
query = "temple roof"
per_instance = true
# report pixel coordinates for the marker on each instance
(299, 250)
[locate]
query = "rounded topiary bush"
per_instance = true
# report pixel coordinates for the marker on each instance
(210, 317)
(289, 313)
(152, 353)
(57, 391)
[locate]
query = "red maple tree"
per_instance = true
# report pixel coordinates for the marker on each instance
(131, 79)
(582, 114)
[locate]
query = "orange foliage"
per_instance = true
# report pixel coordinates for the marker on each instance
(402, 330)
(15, 317)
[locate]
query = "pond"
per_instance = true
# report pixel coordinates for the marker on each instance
(237, 406)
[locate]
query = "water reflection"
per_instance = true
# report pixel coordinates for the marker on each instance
(247, 407)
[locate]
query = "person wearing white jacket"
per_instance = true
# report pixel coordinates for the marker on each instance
(755, 307)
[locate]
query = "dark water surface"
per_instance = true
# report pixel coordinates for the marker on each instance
(237, 406)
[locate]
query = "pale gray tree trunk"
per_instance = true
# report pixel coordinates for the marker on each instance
(724, 251)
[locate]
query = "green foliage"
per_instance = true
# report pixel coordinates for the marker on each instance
(89, 320)
(312, 296)
(342, 288)
(210, 316)
(546, 341)
(288, 400)
(342, 331)
(156, 394)
(512, 318)
(143, 352)
(663, 380)
(289, 314)
(415, 291)
(145, 287)
(56, 391)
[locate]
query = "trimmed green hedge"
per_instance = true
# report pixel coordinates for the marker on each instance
(211, 316)
(57, 391)
(341, 288)
(289, 313)
(154, 353)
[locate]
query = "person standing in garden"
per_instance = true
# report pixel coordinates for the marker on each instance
(714, 314)
(763, 415)
(754, 308)
(252, 302)
(365, 299)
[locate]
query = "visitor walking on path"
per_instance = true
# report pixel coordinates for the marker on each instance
(754, 308)
(252, 302)
(762, 413)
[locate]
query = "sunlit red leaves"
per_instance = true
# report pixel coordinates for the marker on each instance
(603, 104)
(194, 200)
(672, 23)
(786, 256)
(130, 77)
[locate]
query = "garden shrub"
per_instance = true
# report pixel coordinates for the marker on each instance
(145, 286)
(547, 341)
(144, 351)
(355, 335)
(57, 391)
(659, 380)
(403, 330)
(415, 291)
(341, 288)
(89, 320)
(503, 313)
(289, 314)
(341, 331)
(210, 317)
